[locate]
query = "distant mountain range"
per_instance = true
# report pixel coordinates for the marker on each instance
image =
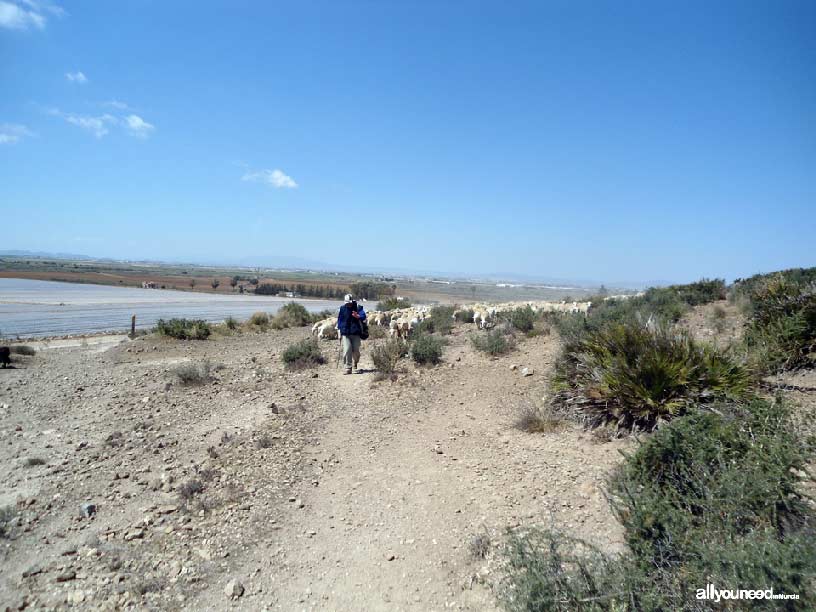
(301, 263)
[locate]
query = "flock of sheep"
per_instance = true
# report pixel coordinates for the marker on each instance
(401, 322)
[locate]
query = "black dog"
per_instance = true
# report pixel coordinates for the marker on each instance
(5, 355)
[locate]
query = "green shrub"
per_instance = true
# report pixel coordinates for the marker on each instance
(393, 303)
(781, 331)
(637, 376)
(184, 329)
(710, 498)
(259, 320)
(386, 356)
(291, 315)
(494, 342)
(303, 354)
(522, 318)
(193, 373)
(464, 316)
(231, 323)
(440, 321)
(426, 349)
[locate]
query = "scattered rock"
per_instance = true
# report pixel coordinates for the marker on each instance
(66, 576)
(514, 367)
(234, 589)
(526, 372)
(87, 510)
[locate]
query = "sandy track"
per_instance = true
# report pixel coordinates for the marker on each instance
(393, 479)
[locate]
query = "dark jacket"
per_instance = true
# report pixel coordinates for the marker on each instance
(347, 324)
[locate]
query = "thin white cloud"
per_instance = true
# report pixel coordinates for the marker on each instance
(275, 177)
(98, 125)
(76, 77)
(117, 104)
(138, 127)
(25, 14)
(12, 133)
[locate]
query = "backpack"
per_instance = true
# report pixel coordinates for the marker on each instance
(363, 329)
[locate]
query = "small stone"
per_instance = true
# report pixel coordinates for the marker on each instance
(87, 510)
(390, 557)
(514, 367)
(134, 534)
(526, 372)
(66, 576)
(234, 589)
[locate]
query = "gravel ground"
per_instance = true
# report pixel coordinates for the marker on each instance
(269, 489)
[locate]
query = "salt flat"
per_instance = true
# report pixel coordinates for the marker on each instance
(31, 308)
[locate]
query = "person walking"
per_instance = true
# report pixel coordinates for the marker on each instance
(349, 323)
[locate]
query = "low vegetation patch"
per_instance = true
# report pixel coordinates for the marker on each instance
(494, 342)
(522, 318)
(291, 315)
(533, 419)
(637, 376)
(713, 497)
(386, 356)
(7, 514)
(781, 331)
(427, 349)
(259, 320)
(464, 315)
(231, 323)
(303, 354)
(393, 303)
(189, 489)
(439, 321)
(194, 373)
(184, 329)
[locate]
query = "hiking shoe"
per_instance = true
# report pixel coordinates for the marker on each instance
(355, 371)
(348, 371)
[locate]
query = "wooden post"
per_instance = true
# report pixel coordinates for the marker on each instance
(133, 326)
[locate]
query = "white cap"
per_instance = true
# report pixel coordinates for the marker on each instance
(348, 298)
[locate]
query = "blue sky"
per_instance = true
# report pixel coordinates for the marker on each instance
(582, 140)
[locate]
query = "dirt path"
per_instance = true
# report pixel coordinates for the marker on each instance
(389, 482)
(406, 475)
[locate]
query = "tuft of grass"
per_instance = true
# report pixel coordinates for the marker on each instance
(264, 441)
(538, 420)
(494, 342)
(231, 323)
(387, 355)
(636, 376)
(259, 320)
(184, 329)
(303, 354)
(7, 514)
(194, 373)
(189, 489)
(426, 349)
(479, 545)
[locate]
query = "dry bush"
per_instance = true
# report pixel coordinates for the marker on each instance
(539, 420)
(194, 373)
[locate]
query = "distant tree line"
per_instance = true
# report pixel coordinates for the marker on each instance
(319, 291)
(372, 291)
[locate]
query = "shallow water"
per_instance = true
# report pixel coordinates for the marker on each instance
(32, 308)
